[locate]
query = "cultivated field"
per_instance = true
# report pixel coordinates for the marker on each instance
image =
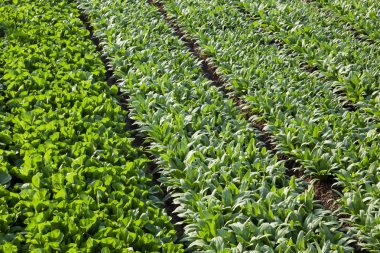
(223, 126)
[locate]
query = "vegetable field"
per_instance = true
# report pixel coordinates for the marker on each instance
(223, 126)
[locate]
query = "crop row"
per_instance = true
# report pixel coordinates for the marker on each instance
(232, 194)
(325, 43)
(70, 179)
(364, 16)
(302, 113)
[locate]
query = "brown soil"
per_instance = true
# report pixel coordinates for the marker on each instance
(323, 191)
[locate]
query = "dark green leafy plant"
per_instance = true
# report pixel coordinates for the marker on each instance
(232, 194)
(70, 179)
(302, 112)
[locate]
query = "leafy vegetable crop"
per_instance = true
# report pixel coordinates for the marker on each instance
(233, 195)
(70, 180)
(302, 112)
(364, 16)
(324, 42)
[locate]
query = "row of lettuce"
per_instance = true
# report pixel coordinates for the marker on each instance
(301, 110)
(233, 195)
(70, 179)
(362, 15)
(325, 42)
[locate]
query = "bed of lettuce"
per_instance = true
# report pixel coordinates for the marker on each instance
(70, 179)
